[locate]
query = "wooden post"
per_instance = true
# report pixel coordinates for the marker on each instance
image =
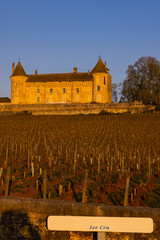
(45, 184)
(28, 159)
(126, 192)
(1, 170)
(20, 149)
(84, 198)
(149, 167)
(139, 161)
(111, 164)
(99, 165)
(102, 236)
(32, 169)
(123, 166)
(50, 158)
(84, 159)
(75, 159)
(49, 195)
(7, 156)
(13, 178)
(137, 166)
(37, 185)
(2, 184)
(69, 186)
(7, 182)
(60, 189)
(131, 197)
(66, 155)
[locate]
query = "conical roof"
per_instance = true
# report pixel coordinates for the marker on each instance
(19, 71)
(100, 67)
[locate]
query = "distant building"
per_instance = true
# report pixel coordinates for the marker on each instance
(75, 87)
(5, 100)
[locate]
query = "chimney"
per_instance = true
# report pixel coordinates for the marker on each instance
(75, 69)
(36, 72)
(88, 72)
(105, 65)
(13, 67)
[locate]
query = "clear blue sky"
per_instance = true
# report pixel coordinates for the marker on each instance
(56, 35)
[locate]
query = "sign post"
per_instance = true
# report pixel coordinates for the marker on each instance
(102, 235)
(101, 225)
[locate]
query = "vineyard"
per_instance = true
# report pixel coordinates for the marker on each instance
(110, 159)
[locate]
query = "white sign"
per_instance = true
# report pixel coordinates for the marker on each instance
(100, 224)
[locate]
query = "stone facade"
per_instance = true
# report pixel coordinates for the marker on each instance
(94, 86)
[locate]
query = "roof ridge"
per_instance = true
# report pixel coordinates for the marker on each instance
(69, 77)
(40, 74)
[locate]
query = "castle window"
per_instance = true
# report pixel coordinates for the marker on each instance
(38, 90)
(63, 90)
(38, 99)
(104, 81)
(16, 84)
(98, 88)
(77, 90)
(16, 90)
(51, 90)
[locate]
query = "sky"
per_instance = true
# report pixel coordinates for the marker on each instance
(53, 36)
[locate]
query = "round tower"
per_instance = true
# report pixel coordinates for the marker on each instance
(102, 92)
(18, 79)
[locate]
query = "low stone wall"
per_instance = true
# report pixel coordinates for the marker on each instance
(26, 219)
(73, 109)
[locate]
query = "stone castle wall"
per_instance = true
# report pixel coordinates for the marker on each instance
(29, 94)
(72, 109)
(27, 219)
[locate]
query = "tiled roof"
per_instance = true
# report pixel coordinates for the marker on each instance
(19, 71)
(5, 100)
(100, 67)
(58, 77)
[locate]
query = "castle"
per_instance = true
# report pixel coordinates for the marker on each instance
(94, 86)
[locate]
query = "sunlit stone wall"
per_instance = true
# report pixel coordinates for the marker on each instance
(26, 219)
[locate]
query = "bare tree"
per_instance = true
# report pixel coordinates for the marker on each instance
(143, 81)
(116, 91)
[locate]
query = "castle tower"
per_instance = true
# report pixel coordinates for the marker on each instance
(18, 79)
(101, 83)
